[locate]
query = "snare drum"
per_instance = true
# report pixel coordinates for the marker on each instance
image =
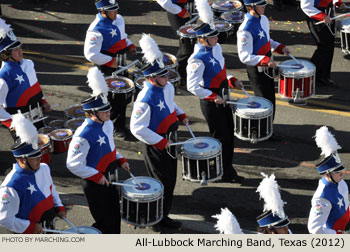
(57, 124)
(223, 29)
(74, 123)
(139, 81)
(61, 139)
(187, 34)
(235, 18)
(345, 35)
(170, 61)
(45, 130)
(83, 230)
(142, 206)
(253, 122)
(74, 111)
(220, 6)
(174, 77)
(121, 85)
(297, 83)
(45, 148)
(202, 156)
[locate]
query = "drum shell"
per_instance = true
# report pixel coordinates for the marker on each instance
(209, 162)
(187, 34)
(45, 149)
(142, 209)
(345, 35)
(235, 19)
(138, 85)
(120, 97)
(291, 81)
(61, 145)
(224, 29)
(83, 230)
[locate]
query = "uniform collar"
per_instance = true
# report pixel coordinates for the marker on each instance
(154, 88)
(249, 16)
(93, 123)
(103, 19)
(205, 48)
(327, 183)
(12, 63)
(23, 171)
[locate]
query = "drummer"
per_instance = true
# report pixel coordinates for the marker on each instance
(106, 44)
(19, 86)
(323, 35)
(154, 122)
(207, 79)
(93, 157)
(254, 49)
(30, 200)
(179, 12)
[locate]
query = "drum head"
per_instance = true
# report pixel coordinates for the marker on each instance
(202, 147)
(45, 130)
(304, 69)
(222, 26)
(74, 123)
(257, 107)
(173, 76)
(187, 31)
(43, 140)
(61, 134)
(57, 124)
(139, 82)
(224, 5)
(84, 230)
(169, 60)
(74, 111)
(151, 189)
(233, 17)
(120, 84)
(345, 25)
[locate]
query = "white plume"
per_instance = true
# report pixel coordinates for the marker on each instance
(227, 223)
(25, 130)
(326, 141)
(97, 82)
(4, 28)
(151, 50)
(269, 191)
(205, 13)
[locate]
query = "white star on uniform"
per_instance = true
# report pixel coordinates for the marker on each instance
(261, 34)
(161, 105)
(113, 32)
(101, 140)
(19, 78)
(212, 60)
(31, 188)
(340, 202)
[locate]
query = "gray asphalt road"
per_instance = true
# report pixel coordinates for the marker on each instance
(53, 34)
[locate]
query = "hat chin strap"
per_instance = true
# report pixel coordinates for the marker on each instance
(96, 114)
(330, 175)
(30, 167)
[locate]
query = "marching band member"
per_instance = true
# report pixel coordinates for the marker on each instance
(92, 156)
(207, 79)
(179, 12)
(254, 49)
(323, 34)
(330, 212)
(273, 220)
(106, 44)
(29, 200)
(19, 86)
(154, 122)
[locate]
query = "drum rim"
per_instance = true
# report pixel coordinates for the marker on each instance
(61, 139)
(172, 57)
(73, 119)
(220, 30)
(44, 128)
(283, 70)
(137, 84)
(88, 227)
(183, 35)
(178, 77)
(238, 21)
(219, 8)
(56, 121)
(47, 144)
(250, 115)
(71, 106)
(200, 154)
(124, 91)
(142, 197)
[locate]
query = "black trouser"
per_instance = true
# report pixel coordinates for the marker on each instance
(104, 206)
(161, 166)
(221, 127)
(185, 46)
(263, 85)
(323, 55)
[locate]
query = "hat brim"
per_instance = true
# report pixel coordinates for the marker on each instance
(104, 109)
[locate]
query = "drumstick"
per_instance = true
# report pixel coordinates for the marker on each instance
(290, 66)
(297, 61)
(189, 129)
(55, 106)
(333, 18)
(245, 92)
(70, 224)
(133, 177)
(56, 231)
(184, 142)
(237, 103)
(122, 184)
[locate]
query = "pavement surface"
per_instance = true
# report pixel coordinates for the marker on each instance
(53, 34)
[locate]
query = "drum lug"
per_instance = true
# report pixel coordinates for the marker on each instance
(254, 138)
(204, 181)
